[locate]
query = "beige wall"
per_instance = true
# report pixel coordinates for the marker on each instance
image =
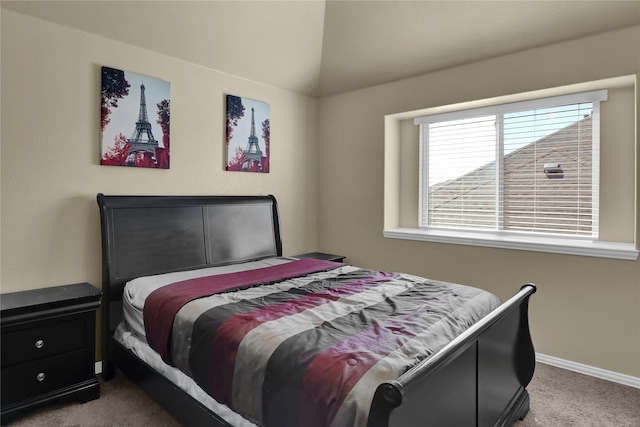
(51, 149)
(587, 310)
(326, 173)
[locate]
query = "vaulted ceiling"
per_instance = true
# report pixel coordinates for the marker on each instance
(321, 48)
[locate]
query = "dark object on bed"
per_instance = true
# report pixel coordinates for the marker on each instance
(478, 379)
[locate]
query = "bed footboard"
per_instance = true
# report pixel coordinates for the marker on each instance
(479, 379)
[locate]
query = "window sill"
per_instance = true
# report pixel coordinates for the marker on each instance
(615, 250)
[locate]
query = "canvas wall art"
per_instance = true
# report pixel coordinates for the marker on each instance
(248, 135)
(135, 114)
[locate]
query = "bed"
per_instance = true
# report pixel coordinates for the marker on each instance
(170, 250)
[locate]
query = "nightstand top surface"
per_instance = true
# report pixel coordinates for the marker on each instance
(320, 255)
(53, 296)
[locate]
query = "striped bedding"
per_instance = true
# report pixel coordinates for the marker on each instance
(305, 343)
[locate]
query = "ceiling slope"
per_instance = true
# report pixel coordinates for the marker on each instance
(373, 42)
(278, 43)
(321, 48)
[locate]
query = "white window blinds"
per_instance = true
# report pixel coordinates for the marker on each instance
(524, 167)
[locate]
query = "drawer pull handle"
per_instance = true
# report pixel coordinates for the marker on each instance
(40, 376)
(39, 344)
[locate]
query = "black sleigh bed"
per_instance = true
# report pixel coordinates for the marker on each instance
(478, 377)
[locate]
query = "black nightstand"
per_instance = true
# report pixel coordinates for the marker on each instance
(48, 347)
(321, 255)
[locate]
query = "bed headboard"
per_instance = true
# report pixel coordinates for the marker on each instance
(146, 235)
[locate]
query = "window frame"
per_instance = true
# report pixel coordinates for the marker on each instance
(499, 111)
(532, 242)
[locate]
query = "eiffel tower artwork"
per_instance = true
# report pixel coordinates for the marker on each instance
(125, 94)
(247, 150)
(142, 140)
(252, 154)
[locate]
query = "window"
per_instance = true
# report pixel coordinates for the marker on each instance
(526, 167)
(551, 170)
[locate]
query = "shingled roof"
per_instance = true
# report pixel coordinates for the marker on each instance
(532, 200)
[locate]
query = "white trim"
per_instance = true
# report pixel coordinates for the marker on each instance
(595, 170)
(423, 177)
(592, 371)
(536, 243)
(531, 104)
(98, 368)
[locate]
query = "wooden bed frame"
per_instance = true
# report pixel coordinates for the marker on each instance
(478, 379)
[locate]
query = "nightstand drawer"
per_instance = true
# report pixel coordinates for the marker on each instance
(47, 339)
(42, 376)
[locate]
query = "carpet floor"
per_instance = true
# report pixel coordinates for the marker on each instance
(558, 398)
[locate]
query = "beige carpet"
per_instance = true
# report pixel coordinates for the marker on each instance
(567, 399)
(558, 398)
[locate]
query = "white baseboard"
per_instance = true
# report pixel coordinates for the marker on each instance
(559, 363)
(592, 371)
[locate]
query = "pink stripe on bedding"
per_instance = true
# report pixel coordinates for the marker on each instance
(231, 333)
(161, 305)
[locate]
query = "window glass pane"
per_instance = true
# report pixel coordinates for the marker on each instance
(548, 170)
(462, 173)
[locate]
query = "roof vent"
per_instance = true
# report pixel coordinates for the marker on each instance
(553, 170)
